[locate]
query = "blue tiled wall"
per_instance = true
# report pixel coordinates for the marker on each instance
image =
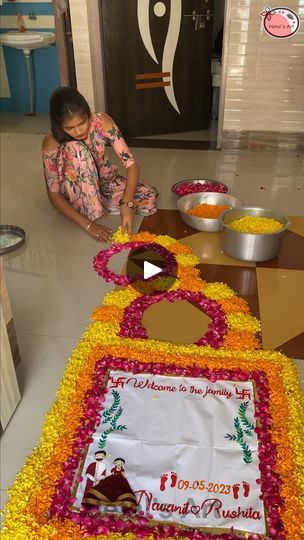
(45, 62)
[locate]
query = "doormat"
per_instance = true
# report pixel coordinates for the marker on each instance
(149, 439)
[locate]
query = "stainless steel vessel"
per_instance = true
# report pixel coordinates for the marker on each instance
(204, 224)
(11, 237)
(199, 181)
(249, 246)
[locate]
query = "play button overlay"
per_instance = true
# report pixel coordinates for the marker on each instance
(151, 269)
(149, 266)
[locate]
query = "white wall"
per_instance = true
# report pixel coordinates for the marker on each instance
(265, 75)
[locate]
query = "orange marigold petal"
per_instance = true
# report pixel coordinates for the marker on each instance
(143, 237)
(179, 248)
(234, 305)
(241, 340)
(107, 313)
(187, 271)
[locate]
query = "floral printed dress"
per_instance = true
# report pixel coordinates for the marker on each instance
(81, 172)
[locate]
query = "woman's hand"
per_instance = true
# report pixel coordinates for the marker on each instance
(127, 216)
(100, 233)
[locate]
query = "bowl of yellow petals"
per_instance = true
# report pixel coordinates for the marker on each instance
(201, 211)
(252, 233)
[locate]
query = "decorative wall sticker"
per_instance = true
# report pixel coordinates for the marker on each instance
(280, 22)
(170, 47)
(167, 60)
(159, 9)
(144, 27)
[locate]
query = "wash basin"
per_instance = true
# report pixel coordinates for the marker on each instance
(27, 39)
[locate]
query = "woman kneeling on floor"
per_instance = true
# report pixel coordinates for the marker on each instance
(81, 182)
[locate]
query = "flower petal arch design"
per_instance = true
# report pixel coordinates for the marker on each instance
(132, 327)
(100, 262)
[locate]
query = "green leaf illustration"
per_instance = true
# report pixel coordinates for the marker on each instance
(117, 415)
(121, 428)
(231, 437)
(243, 417)
(111, 416)
(239, 437)
(107, 414)
(102, 443)
(238, 428)
(247, 455)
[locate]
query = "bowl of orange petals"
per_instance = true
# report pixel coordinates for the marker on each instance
(201, 211)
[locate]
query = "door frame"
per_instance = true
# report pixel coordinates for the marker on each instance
(94, 9)
(62, 53)
(226, 40)
(97, 54)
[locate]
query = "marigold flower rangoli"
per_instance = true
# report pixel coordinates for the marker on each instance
(150, 439)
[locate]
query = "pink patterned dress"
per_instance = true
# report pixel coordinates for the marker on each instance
(82, 173)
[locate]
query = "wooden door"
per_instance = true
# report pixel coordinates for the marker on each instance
(157, 61)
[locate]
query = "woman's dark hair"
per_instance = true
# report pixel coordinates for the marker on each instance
(64, 103)
(119, 459)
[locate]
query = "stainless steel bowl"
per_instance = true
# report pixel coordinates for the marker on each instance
(198, 181)
(249, 246)
(11, 237)
(204, 224)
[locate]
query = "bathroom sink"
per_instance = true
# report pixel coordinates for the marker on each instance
(27, 39)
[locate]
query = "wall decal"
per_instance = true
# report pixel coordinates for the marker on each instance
(170, 43)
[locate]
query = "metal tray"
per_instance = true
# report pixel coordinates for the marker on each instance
(199, 181)
(11, 237)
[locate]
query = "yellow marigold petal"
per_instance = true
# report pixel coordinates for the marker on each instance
(187, 260)
(165, 240)
(121, 298)
(218, 291)
(120, 238)
(243, 321)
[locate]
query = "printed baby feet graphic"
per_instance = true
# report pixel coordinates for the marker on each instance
(173, 479)
(163, 480)
(246, 487)
(236, 489)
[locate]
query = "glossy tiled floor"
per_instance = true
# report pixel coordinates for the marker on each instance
(53, 287)
(273, 289)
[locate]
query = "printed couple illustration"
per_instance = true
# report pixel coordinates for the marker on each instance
(104, 489)
(113, 489)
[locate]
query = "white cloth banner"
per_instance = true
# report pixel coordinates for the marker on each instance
(188, 449)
